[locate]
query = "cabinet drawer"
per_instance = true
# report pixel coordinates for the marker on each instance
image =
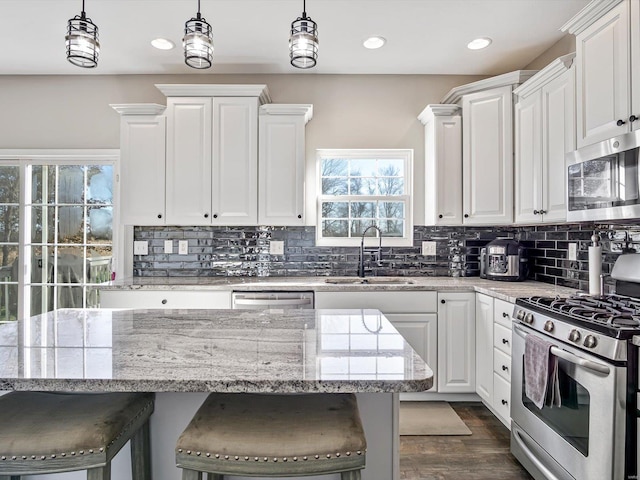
(502, 398)
(502, 338)
(387, 302)
(165, 299)
(502, 312)
(502, 364)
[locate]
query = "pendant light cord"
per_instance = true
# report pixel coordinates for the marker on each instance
(304, 8)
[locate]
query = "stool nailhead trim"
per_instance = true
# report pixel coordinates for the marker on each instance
(265, 459)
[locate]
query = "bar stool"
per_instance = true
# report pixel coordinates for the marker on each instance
(62, 432)
(273, 436)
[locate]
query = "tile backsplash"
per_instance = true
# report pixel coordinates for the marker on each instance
(244, 251)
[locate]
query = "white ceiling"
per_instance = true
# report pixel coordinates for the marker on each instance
(251, 36)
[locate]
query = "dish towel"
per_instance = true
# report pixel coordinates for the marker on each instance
(541, 373)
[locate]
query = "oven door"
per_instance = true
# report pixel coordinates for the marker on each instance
(585, 437)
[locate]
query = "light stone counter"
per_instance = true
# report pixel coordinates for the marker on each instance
(507, 291)
(286, 351)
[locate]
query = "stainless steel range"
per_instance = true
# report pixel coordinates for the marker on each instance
(592, 435)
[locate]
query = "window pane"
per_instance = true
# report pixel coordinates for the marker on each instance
(71, 184)
(334, 186)
(335, 209)
(363, 209)
(392, 228)
(9, 223)
(70, 264)
(391, 168)
(41, 264)
(9, 184)
(70, 297)
(99, 264)
(391, 210)
(335, 167)
(42, 227)
(359, 226)
(100, 184)
(41, 299)
(43, 183)
(391, 186)
(362, 186)
(363, 168)
(8, 255)
(335, 228)
(99, 225)
(70, 224)
(8, 298)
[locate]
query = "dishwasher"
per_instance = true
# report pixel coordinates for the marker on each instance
(271, 300)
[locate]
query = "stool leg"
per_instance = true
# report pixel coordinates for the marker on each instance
(191, 474)
(350, 475)
(100, 473)
(141, 453)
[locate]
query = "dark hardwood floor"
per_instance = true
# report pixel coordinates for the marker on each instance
(484, 455)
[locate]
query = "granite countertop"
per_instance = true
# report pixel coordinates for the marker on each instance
(507, 291)
(290, 351)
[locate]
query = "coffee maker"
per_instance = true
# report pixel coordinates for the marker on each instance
(504, 259)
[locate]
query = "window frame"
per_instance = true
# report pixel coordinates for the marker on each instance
(406, 154)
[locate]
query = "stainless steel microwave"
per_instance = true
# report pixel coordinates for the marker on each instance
(603, 180)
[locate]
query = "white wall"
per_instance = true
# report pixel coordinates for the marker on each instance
(350, 111)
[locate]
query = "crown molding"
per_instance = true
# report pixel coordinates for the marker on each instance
(511, 78)
(438, 110)
(215, 90)
(544, 76)
(139, 108)
(589, 14)
(305, 109)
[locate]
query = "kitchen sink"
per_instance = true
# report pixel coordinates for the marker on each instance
(370, 281)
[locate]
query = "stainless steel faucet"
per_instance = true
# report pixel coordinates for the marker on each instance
(362, 251)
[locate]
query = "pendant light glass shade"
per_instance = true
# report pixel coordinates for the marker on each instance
(82, 42)
(198, 42)
(303, 42)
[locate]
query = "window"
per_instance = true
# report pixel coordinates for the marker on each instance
(360, 188)
(56, 234)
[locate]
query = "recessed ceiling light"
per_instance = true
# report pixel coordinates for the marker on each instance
(162, 44)
(374, 42)
(479, 43)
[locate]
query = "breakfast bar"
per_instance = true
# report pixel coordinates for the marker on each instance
(184, 354)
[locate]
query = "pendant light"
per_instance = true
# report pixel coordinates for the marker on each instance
(82, 41)
(303, 42)
(198, 42)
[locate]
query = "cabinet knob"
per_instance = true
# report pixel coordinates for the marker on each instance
(536, 212)
(505, 315)
(504, 368)
(505, 341)
(215, 215)
(466, 215)
(442, 301)
(164, 301)
(633, 118)
(440, 216)
(542, 212)
(159, 215)
(620, 122)
(206, 215)
(299, 216)
(504, 402)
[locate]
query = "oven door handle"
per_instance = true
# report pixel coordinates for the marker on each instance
(536, 461)
(570, 357)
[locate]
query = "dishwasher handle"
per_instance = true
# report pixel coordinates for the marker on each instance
(272, 302)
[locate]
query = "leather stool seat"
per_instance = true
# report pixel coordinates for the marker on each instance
(273, 435)
(60, 432)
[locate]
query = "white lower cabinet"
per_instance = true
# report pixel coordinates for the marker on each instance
(456, 343)
(493, 355)
(201, 299)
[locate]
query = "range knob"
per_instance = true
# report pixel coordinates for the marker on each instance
(548, 326)
(590, 341)
(528, 318)
(574, 335)
(520, 314)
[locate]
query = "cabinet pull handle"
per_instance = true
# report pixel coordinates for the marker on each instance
(504, 402)
(505, 315)
(542, 212)
(633, 118)
(440, 216)
(536, 212)
(215, 215)
(164, 301)
(159, 215)
(505, 341)
(466, 215)
(299, 216)
(620, 122)
(442, 301)
(206, 215)
(504, 368)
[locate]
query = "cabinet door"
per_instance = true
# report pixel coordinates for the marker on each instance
(487, 153)
(635, 63)
(603, 77)
(456, 343)
(484, 347)
(421, 332)
(142, 169)
(558, 138)
(281, 169)
(528, 175)
(502, 399)
(188, 194)
(235, 161)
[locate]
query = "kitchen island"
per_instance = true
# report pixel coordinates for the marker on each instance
(182, 354)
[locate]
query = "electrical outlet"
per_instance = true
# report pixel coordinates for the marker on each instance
(573, 252)
(183, 247)
(276, 247)
(168, 246)
(429, 248)
(141, 247)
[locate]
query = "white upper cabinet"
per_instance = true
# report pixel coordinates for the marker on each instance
(544, 133)
(487, 157)
(281, 163)
(604, 32)
(142, 165)
(443, 164)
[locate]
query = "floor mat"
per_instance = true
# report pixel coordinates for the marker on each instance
(430, 418)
